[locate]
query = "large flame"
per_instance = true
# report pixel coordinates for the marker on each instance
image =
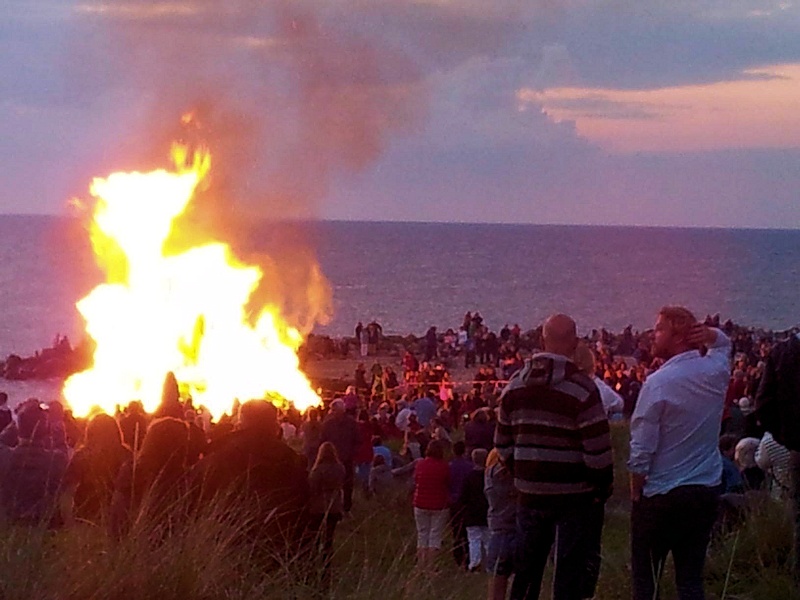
(184, 313)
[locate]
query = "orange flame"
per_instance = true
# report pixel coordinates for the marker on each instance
(183, 313)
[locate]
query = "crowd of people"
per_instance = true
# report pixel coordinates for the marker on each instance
(515, 465)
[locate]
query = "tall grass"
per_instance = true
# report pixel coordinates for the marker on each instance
(205, 559)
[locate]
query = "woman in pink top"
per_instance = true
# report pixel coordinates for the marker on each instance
(431, 501)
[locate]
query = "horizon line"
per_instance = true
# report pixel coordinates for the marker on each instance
(457, 222)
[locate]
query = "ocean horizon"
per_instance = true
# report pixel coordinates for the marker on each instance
(410, 275)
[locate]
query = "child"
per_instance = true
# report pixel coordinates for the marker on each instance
(475, 509)
(326, 483)
(502, 521)
(380, 477)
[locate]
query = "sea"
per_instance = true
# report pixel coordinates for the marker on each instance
(409, 276)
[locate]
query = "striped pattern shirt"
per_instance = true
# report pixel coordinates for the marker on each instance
(553, 432)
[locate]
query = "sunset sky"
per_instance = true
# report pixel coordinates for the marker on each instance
(640, 112)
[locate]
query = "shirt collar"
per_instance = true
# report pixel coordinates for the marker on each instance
(678, 358)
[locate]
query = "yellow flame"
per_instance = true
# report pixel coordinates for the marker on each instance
(184, 313)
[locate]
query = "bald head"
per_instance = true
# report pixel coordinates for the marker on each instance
(560, 335)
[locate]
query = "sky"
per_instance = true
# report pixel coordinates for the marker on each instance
(615, 112)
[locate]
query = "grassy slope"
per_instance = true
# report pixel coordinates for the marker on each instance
(374, 560)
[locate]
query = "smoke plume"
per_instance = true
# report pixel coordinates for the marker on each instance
(285, 98)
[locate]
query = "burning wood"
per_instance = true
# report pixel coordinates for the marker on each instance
(185, 313)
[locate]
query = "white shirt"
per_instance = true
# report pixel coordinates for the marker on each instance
(612, 401)
(675, 425)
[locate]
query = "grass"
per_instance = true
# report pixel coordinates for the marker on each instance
(374, 559)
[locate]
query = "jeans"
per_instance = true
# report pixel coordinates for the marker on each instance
(537, 530)
(478, 538)
(680, 522)
(362, 475)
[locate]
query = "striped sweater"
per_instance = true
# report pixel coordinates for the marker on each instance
(553, 432)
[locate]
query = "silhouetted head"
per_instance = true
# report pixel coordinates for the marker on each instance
(479, 457)
(459, 448)
(560, 335)
(103, 433)
(32, 423)
(259, 415)
(435, 450)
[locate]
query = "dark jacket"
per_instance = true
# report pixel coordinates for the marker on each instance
(342, 431)
(326, 482)
(473, 500)
(778, 398)
(260, 479)
(30, 477)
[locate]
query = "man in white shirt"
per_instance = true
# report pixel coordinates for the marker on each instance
(675, 465)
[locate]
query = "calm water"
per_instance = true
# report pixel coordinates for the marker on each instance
(409, 276)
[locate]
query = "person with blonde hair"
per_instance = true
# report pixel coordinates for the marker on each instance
(326, 500)
(586, 361)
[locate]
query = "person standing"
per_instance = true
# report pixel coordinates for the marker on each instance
(675, 464)
(5, 411)
(502, 519)
(342, 431)
(553, 435)
(431, 499)
(31, 473)
(460, 468)
(325, 482)
(778, 409)
(476, 507)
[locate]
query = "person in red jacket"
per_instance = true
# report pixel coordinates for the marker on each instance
(431, 502)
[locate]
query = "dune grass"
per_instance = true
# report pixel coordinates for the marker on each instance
(374, 559)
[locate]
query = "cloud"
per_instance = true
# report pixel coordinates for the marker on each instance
(438, 109)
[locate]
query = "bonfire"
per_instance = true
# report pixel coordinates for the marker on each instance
(187, 313)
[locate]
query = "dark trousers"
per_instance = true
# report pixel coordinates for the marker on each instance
(795, 466)
(349, 478)
(460, 544)
(537, 531)
(680, 522)
(594, 535)
(324, 527)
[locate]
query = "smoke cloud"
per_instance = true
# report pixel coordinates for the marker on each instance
(286, 99)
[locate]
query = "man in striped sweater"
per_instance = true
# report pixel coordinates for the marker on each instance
(552, 432)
